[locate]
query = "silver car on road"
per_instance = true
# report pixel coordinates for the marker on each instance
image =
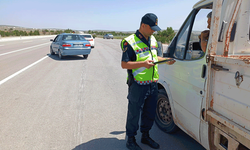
(70, 44)
(108, 36)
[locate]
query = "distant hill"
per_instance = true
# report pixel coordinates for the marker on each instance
(8, 27)
(12, 27)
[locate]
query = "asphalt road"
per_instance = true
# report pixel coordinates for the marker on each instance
(75, 103)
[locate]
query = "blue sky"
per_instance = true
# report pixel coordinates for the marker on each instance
(112, 15)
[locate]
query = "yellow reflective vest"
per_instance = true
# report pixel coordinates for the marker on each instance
(143, 75)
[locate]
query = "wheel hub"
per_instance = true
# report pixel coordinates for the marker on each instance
(164, 111)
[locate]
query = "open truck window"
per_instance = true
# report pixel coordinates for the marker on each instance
(188, 39)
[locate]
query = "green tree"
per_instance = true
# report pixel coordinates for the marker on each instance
(30, 33)
(2, 33)
(23, 33)
(7, 34)
(68, 31)
(36, 32)
(165, 36)
(16, 33)
(52, 31)
(170, 34)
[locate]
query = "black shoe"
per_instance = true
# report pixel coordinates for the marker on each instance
(131, 144)
(145, 139)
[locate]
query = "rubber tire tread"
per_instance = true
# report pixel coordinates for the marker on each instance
(169, 128)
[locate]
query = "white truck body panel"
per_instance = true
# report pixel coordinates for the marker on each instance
(183, 77)
(214, 107)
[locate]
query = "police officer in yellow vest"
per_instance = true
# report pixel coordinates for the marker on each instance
(140, 50)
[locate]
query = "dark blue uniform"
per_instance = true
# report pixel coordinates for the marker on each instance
(141, 97)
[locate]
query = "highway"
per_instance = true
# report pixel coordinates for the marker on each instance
(69, 104)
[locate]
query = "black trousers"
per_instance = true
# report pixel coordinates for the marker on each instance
(142, 102)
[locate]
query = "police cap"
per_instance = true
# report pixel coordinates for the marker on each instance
(151, 20)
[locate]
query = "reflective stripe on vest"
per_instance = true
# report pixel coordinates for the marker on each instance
(136, 72)
(136, 43)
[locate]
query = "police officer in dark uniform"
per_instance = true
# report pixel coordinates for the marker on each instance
(140, 50)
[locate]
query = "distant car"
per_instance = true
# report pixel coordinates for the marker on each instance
(70, 44)
(108, 36)
(90, 38)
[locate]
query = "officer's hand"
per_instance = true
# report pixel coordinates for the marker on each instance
(170, 62)
(148, 63)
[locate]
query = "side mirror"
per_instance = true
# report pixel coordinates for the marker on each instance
(194, 54)
(51, 40)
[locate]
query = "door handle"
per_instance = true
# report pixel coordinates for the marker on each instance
(218, 67)
(203, 72)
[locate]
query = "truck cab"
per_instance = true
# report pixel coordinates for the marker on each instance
(206, 92)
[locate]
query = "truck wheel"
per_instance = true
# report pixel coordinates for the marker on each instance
(164, 118)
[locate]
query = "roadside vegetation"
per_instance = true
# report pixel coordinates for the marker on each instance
(164, 36)
(11, 32)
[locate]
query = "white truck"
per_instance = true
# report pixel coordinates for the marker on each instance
(208, 96)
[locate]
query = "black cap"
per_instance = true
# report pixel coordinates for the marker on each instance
(152, 20)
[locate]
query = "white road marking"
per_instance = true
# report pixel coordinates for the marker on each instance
(22, 70)
(23, 49)
(27, 41)
(1, 45)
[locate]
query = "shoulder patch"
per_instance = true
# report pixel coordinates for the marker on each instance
(125, 44)
(140, 36)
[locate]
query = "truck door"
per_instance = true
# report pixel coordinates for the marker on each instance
(189, 72)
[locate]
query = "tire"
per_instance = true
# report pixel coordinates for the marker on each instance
(163, 117)
(60, 54)
(51, 51)
(85, 56)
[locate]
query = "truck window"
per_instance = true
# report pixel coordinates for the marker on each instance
(182, 40)
(187, 44)
(200, 27)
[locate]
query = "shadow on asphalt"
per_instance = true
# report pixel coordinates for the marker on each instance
(66, 58)
(102, 144)
(178, 141)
